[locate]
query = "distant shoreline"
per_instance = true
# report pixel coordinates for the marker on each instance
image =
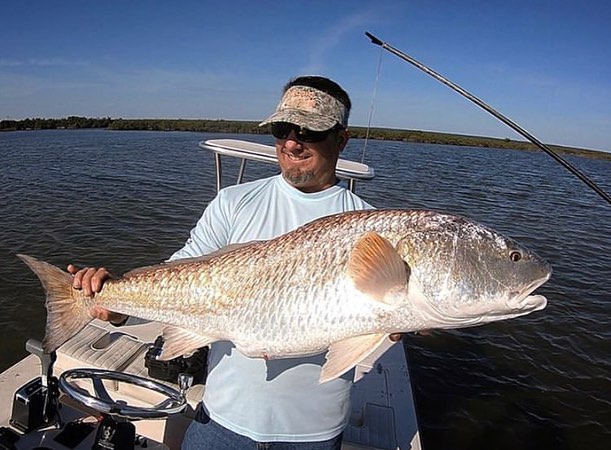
(250, 127)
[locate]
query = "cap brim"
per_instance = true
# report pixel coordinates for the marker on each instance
(304, 119)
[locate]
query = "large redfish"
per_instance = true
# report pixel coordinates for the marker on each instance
(342, 283)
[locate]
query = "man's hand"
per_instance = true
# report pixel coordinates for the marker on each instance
(91, 281)
(396, 337)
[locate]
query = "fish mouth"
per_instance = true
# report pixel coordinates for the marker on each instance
(518, 304)
(529, 303)
(523, 302)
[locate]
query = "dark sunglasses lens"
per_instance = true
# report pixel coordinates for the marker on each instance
(313, 136)
(281, 130)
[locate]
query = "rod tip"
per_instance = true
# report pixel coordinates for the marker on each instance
(374, 40)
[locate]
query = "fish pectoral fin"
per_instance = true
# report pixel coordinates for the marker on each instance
(180, 342)
(376, 268)
(344, 355)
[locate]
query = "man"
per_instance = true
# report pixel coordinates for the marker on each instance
(250, 402)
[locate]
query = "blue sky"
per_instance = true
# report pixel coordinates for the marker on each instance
(544, 64)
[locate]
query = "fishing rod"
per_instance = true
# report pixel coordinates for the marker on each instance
(498, 115)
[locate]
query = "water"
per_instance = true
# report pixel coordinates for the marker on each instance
(126, 199)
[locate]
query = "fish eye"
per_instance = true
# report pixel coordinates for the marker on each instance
(515, 256)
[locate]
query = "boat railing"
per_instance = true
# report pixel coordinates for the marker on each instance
(351, 171)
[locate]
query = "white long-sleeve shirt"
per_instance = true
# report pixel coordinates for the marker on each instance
(278, 400)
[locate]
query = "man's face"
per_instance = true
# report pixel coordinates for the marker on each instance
(307, 166)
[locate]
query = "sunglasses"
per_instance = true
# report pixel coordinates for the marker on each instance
(282, 130)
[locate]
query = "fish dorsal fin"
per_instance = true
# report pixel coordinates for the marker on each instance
(222, 251)
(178, 262)
(180, 342)
(344, 355)
(376, 268)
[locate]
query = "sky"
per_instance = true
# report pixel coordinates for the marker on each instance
(546, 65)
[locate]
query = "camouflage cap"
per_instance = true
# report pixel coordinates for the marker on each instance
(309, 108)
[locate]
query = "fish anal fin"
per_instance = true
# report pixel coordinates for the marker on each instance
(376, 268)
(180, 342)
(344, 355)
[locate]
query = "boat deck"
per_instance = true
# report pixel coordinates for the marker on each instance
(382, 405)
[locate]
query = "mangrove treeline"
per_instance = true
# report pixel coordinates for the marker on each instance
(250, 127)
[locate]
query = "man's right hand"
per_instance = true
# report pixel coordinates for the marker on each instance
(91, 281)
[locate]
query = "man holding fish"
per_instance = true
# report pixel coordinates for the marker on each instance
(251, 402)
(323, 281)
(327, 281)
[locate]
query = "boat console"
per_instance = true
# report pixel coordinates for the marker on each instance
(86, 408)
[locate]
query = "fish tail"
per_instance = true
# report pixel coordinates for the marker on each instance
(67, 313)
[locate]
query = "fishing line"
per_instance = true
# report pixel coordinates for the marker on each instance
(373, 99)
(498, 115)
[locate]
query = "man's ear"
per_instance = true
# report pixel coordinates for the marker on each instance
(342, 139)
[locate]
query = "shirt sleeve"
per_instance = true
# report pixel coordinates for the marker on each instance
(209, 234)
(211, 231)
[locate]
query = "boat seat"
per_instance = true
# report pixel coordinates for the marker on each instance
(99, 347)
(112, 349)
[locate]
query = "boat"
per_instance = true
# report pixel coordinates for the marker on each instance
(104, 389)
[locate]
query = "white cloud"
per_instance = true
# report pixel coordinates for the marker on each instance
(39, 62)
(332, 37)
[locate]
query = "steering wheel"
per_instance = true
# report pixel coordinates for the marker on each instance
(100, 400)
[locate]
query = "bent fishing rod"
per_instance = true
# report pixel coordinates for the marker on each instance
(498, 115)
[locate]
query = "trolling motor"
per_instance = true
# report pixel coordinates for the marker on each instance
(36, 403)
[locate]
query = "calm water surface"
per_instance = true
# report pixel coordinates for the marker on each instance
(126, 199)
